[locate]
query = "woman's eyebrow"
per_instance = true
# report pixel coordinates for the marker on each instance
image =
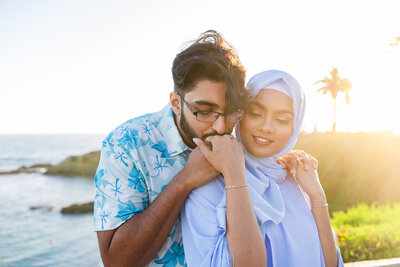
(284, 111)
(258, 104)
(281, 111)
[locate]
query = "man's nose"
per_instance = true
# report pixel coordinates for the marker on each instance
(219, 125)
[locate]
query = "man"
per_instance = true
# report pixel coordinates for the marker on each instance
(149, 164)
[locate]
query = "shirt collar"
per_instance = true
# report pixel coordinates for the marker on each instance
(170, 132)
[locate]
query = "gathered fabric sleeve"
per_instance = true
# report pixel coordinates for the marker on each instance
(204, 226)
(120, 188)
(340, 260)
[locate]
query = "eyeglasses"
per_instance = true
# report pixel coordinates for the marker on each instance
(211, 116)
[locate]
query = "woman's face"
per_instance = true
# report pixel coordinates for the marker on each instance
(268, 123)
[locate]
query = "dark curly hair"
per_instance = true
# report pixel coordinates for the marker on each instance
(211, 57)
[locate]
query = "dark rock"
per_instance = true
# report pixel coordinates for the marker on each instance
(84, 165)
(78, 208)
(42, 168)
(45, 208)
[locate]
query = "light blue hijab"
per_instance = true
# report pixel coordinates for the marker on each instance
(264, 174)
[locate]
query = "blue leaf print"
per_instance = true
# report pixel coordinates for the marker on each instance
(146, 129)
(137, 184)
(159, 165)
(170, 113)
(116, 188)
(125, 211)
(100, 203)
(103, 216)
(98, 177)
(162, 147)
(127, 136)
(156, 122)
(142, 142)
(108, 141)
(174, 255)
(119, 155)
(170, 161)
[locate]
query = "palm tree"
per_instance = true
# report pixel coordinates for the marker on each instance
(334, 85)
(397, 41)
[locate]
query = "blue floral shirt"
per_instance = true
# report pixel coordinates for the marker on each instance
(138, 159)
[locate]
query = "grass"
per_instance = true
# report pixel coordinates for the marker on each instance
(368, 232)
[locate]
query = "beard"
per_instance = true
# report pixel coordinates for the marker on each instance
(186, 129)
(189, 132)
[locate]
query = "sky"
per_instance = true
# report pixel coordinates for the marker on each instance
(88, 66)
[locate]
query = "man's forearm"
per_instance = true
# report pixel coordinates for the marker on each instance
(137, 241)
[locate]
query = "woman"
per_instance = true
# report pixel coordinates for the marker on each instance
(257, 213)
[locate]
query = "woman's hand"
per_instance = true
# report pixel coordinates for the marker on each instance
(304, 169)
(225, 154)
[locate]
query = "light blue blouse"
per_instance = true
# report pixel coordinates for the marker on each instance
(292, 242)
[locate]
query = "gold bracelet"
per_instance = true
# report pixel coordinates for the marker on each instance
(235, 186)
(322, 206)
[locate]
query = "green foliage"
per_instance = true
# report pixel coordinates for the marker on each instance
(368, 232)
(356, 167)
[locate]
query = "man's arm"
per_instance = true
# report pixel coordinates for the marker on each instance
(137, 241)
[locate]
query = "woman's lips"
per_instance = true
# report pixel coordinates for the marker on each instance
(262, 140)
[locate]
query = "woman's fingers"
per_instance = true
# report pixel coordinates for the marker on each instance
(302, 159)
(314, 162)
(289, 162)
(203, 147)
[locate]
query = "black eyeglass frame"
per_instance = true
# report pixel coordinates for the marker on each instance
(217, 114)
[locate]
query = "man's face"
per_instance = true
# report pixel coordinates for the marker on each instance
(205, 96)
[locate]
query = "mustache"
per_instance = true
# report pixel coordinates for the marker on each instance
(211, 134)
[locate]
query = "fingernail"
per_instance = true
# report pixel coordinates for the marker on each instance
(196, 141)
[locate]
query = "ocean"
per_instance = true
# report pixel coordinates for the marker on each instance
(43, 236)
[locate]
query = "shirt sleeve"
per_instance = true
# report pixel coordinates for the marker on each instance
(120, 188)
(340, 260)
(204, 229)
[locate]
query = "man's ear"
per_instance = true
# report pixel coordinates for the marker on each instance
(175, 101)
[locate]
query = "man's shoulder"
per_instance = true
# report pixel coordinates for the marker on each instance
(136, 132)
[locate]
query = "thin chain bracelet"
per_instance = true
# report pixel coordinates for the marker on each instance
(235, 186)
(322, 206)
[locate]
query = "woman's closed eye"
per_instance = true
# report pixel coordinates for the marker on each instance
(283, 120)
(254, 113)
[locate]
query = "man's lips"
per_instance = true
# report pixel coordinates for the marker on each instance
(262, 140)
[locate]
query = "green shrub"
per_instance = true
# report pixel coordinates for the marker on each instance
(368, 232)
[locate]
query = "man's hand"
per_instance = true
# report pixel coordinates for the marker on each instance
(198, 171)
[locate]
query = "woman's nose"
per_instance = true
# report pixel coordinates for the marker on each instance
(267, 126)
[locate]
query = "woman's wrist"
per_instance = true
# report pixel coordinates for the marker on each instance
(318, 198)
(234, 177)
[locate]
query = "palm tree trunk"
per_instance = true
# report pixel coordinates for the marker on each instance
(334, 116)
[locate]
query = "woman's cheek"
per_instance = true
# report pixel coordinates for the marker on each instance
(286, 132)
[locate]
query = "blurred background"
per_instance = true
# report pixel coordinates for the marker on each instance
(71, 71)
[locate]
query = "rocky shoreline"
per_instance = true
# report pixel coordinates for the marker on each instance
(84, 165)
